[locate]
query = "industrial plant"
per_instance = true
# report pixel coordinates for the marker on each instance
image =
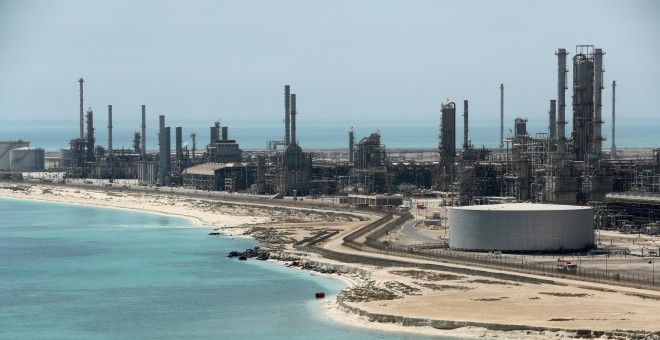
(561, 169)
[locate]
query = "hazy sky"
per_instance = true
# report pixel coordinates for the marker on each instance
(346, 60)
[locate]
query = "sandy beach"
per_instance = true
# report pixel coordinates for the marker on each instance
(451, 303)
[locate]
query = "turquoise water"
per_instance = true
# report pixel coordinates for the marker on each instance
(79, 272)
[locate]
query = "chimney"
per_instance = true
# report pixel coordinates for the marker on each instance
(501, 116)
(178, 145)
(561, 101)
(82, 129)
(293, 114)
(109, 130)
(613, 119)
(465, 125)
(553, 119)
(597, 142)
(287, 123)
(144, 131)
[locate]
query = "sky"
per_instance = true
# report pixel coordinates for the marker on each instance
(349, 62)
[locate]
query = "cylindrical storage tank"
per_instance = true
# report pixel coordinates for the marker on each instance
(521, 227)
(26, 159)
(65, 157)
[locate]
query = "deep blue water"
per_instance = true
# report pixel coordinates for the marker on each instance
(80, 272)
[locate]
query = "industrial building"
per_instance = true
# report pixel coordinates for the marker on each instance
(521, 227)
(553, 166)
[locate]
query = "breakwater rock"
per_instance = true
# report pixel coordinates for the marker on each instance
(255, 252)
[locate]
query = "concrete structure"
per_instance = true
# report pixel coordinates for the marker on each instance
(374, 200)
(26, 159)
(521, 227)
(224, 151)
(228, 177)
(5, 148)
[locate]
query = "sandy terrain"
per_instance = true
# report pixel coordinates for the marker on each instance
(429, 295)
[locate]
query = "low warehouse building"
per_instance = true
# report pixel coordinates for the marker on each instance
(521, 227)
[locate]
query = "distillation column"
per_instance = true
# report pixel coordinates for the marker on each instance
(144, 131)
(466, 142)
(553, 119)
(178, 135)
(293, 114)
(162, 167)
(501, 116)
(90, 135)
(82, 129)
(109, 130)
(287, 122)
(597, 139)
(561, 101)
(613, 119)
(351, 145)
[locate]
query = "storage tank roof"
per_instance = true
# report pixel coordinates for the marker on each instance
(521, 207)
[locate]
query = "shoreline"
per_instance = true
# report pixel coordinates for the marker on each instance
(233, 220)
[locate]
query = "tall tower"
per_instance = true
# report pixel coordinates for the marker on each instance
(561, 101)
(501, 116)
(613, 119)
(82, 115)
(293, 114)
(109, 130)
(596, 151)
(583, 101)
(144, 130)
(287, 122)
(351, 144)
(552, 120)
(447, 144)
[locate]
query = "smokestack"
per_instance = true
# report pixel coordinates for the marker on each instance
(225, 133)
(597, 142)
(613, 119)
(501, 116)
(144, 130)
(82, 129)
(168, 152)
(90, 135)
(553, 119)
(351, 144)
(194, 144)
(465, 125)
(109, 130)
(286, 115)
(179, 144)
(293, 119)
(561, 101)
(161, 147)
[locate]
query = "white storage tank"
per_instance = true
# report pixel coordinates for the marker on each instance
(521, 227)
(26, 159)
(5, 147)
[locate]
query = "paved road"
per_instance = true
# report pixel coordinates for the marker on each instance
(411, 231)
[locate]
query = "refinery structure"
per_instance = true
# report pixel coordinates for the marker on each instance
(556, 167)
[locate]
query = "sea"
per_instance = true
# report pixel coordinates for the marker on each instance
(80, 272)
(325, 133)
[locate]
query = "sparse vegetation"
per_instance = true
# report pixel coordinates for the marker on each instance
(427, 275)
(439, 287)
(493, 282)
(368, 292)
(565, 294)
(402, 288)
(491, 299)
